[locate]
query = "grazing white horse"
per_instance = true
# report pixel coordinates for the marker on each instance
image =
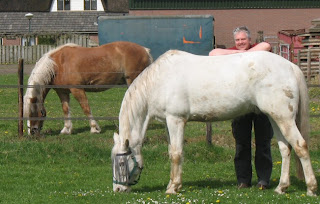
(181, 87)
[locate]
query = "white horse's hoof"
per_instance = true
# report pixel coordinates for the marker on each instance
(173, 188)
(66, 131)
(311, 193)
(171, 191)
(279, 191)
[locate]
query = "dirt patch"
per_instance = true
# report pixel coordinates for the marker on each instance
(13, 68)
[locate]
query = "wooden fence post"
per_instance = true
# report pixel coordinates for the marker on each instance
(20, 97)
(209, 133)
(309, 65)
(319, 68)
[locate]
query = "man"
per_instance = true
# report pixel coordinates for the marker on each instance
(242, 126)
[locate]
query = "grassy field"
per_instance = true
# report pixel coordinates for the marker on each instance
(77, 168)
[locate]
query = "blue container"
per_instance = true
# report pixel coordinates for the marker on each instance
(189, 33)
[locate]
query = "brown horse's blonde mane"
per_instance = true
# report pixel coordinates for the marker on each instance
(43, 71)
(42, 74)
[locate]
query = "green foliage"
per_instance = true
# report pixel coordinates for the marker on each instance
(77, 168)
(46, 40)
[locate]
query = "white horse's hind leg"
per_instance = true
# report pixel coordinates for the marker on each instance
(293, 136)
(302, 152)
(285, 150)
(176, 133)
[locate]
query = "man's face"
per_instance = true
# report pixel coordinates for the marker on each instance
(242, 41)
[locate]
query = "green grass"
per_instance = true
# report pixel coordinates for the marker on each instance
(77, 168)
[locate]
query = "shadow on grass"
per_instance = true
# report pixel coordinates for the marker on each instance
(104, 129)
(199, 184)
(296, 185)
(299, 185)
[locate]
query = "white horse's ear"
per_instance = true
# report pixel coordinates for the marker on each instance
(116, 138)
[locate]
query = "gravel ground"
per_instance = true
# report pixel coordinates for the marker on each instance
(13, 68)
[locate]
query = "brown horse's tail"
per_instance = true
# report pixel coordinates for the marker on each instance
(302, 119)
(149, 54)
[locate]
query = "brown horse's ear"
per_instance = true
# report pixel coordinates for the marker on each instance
(127, 143)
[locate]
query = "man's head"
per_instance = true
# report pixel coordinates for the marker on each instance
(242, 38)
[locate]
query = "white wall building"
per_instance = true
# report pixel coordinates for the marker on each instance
(76, 5)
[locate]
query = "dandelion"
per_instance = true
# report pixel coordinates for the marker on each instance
(6, 132)
(278, 162)
(303, 195)
(168, 196)
(220, 192)
(217, 201)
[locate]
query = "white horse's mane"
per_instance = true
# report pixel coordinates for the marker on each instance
(136, 96)
(42, 74)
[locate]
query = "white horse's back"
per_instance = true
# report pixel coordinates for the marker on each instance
(221, 87)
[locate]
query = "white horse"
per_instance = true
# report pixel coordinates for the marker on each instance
(181, 87)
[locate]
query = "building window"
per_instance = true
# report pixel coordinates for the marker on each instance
(90, 4)
(63, 5)
(28, 41)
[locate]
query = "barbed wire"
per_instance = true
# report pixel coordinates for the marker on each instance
(82, 118)
(59, 118)
(65, 86)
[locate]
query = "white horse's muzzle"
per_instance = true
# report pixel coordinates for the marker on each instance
(126, 171)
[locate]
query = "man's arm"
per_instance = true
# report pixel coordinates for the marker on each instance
(263, 46)
(219, 51)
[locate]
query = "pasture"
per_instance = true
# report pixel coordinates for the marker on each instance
(77, 168)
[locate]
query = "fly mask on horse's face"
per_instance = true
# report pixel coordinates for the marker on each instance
(126, 170)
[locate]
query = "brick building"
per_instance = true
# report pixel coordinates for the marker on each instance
(79, 16)
(259, 15)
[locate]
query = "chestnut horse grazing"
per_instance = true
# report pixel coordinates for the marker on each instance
(180, 87)
(71, 65)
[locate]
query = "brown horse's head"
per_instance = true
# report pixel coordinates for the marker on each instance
(36, 114)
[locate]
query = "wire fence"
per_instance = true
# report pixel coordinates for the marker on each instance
(107, 110)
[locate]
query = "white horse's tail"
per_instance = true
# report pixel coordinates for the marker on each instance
(302, 119)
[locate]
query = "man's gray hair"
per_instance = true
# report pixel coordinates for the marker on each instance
(242, 29)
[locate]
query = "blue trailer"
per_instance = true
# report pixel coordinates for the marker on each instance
(191, 33)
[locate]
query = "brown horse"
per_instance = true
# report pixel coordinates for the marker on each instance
(69, 66)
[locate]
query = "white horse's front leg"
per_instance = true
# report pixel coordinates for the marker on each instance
(285, 168)
(176, 133)
(293, 136)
